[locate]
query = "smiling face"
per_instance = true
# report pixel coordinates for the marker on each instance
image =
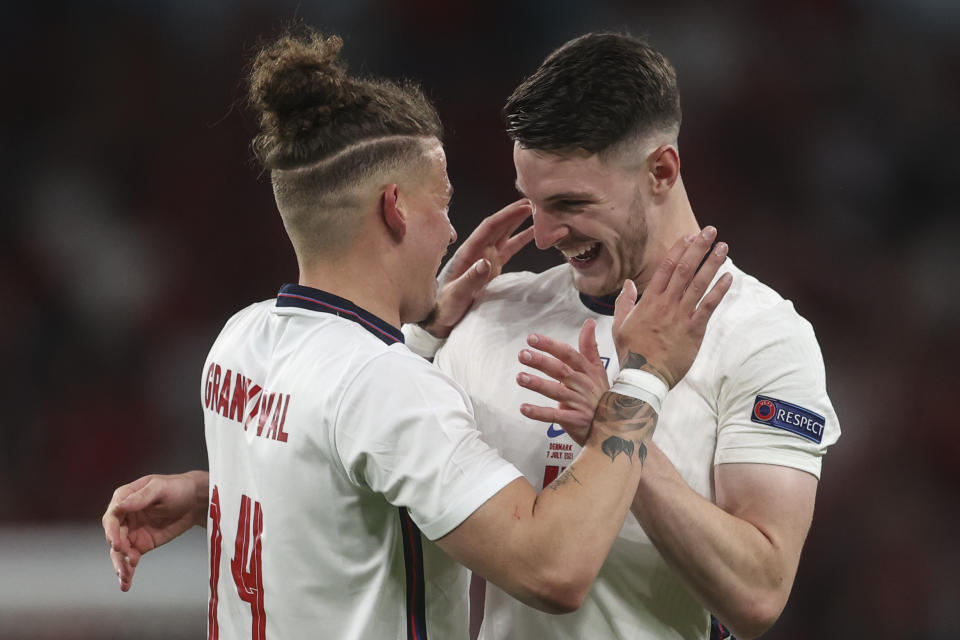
(594, 211)
(427, 203)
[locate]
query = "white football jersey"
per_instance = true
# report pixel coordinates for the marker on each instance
(331, 447)
(755, 393)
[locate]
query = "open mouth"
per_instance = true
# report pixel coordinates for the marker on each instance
(582, 256)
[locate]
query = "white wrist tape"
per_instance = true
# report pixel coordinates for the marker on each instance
(421, 341)
(642, 386)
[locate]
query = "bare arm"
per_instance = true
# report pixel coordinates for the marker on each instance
(512, 539)
(739, 556)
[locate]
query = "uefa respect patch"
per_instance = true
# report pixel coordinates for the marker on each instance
(789, 417)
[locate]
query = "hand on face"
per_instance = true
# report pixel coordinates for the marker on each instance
(478, 261)
(662, 333)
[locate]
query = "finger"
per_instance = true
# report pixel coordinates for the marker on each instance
(588, 342)
(686, 267)
(575, 423)
(514, 244)
(489, 233)
(123, 570)
(545, 364)
(140, 499)
(704, 277)
(540, 414)
(462, 291)
(504, 222)
(559, 350)
(661, 277)
(548, 388)
(111, 517)
(710, 302)
(133, 558)
(624, 304)
(499, 225)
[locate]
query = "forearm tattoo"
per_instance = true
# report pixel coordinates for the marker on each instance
(564, 478)
(638, 361)
(627, 422)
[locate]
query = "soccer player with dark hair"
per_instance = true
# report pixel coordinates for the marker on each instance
(728, 490)
(331, 446)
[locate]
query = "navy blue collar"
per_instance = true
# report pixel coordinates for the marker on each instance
(599, 304)
(604, 304)
(295, 295)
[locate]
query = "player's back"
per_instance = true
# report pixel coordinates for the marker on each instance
(299, 547)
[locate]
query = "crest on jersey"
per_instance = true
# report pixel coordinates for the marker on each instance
(789, 417)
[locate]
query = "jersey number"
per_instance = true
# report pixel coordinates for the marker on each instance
(245, 566)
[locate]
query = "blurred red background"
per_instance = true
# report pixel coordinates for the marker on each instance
(819, 137)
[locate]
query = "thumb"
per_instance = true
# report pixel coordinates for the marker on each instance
(624, 304)
(472, 280)
(588, 341)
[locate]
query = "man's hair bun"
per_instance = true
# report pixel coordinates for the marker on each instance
(310, 108)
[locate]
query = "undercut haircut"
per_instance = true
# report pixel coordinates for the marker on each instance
(323, 133)
(594, 93)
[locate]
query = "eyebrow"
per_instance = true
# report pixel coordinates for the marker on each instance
(565, 195)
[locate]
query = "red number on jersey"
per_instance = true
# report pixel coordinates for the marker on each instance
(213, 630)
(245, 565)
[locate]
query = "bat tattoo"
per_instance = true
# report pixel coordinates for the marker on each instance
(631, 422)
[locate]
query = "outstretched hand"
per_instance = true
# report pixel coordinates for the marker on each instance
(478, 261)
(150, 512)
(579, 380)
(662, 333)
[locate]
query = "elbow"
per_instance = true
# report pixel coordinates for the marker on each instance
(561, 591)
(756, 617)
(562, 600)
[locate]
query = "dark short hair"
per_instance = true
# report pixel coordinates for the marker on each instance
(592, 93)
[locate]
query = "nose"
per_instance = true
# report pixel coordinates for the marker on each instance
(547, 229)
(453, 235)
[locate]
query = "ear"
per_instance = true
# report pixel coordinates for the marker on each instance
(664, 166)
(393, 216)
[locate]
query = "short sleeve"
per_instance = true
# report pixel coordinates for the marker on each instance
(406, 431)
(773, 406)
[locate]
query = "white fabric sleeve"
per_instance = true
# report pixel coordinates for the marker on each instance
(773, 394)
(420, 341)
(406, 431)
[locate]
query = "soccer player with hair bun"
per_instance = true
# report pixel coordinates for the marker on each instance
(347, 478)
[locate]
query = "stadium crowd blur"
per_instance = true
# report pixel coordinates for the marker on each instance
(820, 138)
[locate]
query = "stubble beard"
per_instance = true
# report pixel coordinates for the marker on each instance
(631, 248)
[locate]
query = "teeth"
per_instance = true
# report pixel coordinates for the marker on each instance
(577, 252)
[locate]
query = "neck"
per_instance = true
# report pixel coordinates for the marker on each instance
(676, 220)
(357, 278)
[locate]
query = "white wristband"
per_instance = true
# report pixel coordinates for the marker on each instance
(421, 341)
(642, 386)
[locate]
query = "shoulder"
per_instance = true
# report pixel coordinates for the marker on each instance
(241, 321)
(753, 316)
(402, 375)
(255, 310)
